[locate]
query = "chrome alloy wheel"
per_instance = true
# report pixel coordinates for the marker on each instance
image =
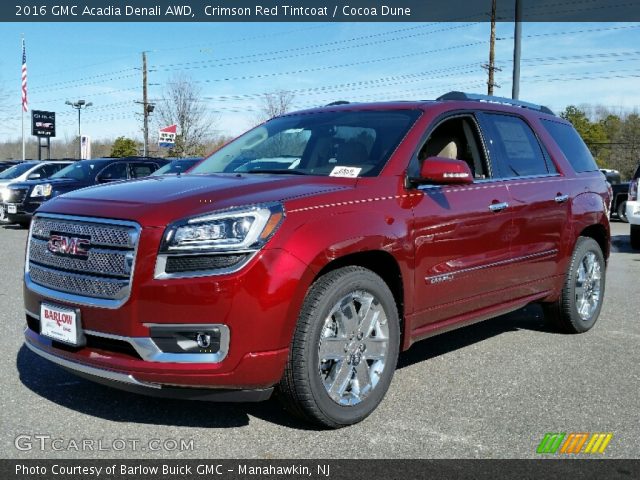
(352, 351)
(588, 286)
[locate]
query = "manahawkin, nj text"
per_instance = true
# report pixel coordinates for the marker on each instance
(271, 12)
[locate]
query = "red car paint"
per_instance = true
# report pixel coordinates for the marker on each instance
(458, 262)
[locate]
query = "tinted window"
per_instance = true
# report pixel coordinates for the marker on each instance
(142, 169)
(84, 171)
(315, 144)
(572, 146)
(116, 171)
(515, 147)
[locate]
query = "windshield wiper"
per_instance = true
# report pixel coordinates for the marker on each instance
(275, 170)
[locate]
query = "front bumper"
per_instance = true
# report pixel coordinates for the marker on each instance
(128, 382)
(633, 212)
(258, 305)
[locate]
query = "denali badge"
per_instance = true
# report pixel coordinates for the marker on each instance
(72, 246)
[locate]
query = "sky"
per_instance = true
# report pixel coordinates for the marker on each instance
(232, 64)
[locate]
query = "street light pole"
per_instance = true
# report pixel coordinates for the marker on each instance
(79, 105)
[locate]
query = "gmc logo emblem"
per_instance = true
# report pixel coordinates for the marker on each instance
(64, 245)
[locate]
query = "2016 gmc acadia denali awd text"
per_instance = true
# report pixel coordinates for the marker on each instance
(303, 256)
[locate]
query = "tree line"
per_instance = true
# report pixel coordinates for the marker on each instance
(612, 137)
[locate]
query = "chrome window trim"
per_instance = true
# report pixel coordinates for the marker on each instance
(80, 299)
(161, 264)
(484, 181)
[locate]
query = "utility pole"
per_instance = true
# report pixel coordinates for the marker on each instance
(517, 38)
(145, 105)
(491, 66)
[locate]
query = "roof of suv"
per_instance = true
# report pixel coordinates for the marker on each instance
(455, 100)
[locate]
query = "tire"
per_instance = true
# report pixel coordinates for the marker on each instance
(635, 237)
(622, 211)
(327, 391)
(578, 307)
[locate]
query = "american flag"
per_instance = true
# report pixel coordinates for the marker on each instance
(24, 78)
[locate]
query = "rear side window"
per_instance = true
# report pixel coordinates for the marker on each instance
(515, 147)
(142, 169)
(572, 146)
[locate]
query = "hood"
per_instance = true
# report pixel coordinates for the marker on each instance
(158, 201)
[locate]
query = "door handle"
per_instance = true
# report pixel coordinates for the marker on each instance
(498, 207)
(561, 198)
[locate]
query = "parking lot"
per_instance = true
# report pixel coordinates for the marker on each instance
(491, 390)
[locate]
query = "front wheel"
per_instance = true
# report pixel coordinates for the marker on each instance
(578, 307)
(344, 350)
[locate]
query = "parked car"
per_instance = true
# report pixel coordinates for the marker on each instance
(391, 222)
(177, 166)
(23, 198)
(5, 164)
(633, 210)
(24, 171)
(620, 192)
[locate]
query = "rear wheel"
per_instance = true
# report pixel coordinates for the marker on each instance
(579, 305)
(344, 350)
(635, 237)
(622, 211)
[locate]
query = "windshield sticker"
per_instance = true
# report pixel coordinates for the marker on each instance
(348, 172)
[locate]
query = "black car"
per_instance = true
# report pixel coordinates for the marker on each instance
(25, 197)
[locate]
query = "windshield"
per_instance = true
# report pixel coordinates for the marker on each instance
(16, 171)
(83, 171)
(176, 166)
(344, 143)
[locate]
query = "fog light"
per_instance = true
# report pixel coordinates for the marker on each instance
(203, 340)
(186, 339)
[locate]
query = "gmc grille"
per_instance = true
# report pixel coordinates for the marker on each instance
(103, 273)
(17, 195)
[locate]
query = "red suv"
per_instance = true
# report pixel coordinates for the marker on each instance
(306, 254)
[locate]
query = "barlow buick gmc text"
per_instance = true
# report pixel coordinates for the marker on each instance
(303, 256)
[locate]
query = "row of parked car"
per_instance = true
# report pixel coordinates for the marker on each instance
(24, 186)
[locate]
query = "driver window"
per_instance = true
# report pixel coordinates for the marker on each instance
(115, 171)
(457, 139)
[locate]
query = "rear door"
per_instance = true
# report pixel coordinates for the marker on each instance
(539, 200)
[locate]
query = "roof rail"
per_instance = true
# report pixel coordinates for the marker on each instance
(491, 99)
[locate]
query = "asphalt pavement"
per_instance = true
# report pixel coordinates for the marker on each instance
(491, 390)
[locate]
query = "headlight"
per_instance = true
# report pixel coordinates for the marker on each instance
(235, 229)
(43, 190)
(6, 194)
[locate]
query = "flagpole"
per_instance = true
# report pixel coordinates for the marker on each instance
(22, 110)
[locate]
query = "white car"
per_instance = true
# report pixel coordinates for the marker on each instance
(29, 170)
(633, 210)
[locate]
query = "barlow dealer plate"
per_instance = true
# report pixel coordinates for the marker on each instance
(59, 323)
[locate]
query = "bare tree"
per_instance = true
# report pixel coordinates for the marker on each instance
(181, 105)
(274, 104)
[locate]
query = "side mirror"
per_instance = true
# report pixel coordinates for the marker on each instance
(445, 171)
(33, 176)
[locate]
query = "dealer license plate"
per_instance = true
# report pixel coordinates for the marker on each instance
(12, 209)
(59, 323)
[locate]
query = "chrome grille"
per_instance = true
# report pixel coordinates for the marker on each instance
(106, 235)
(98, 262)
(103, 277)
(89, 286)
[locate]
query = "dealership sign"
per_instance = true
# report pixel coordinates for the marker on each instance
(167, 136)
(43, 124)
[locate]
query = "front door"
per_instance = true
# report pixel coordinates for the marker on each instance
(462, 233)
